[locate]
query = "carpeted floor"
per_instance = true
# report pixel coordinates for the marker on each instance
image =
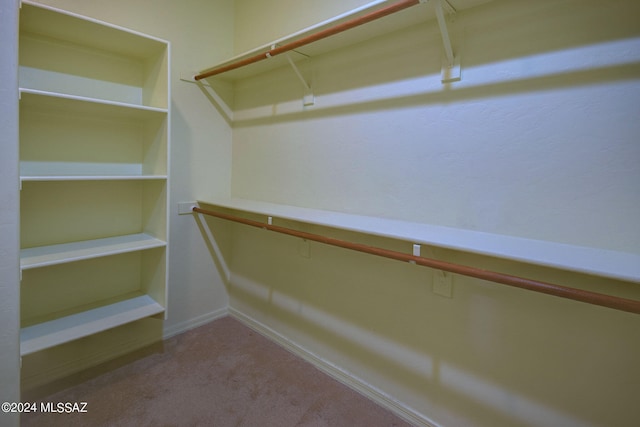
(222, 374)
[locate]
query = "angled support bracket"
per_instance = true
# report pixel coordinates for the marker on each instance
(210, 92)
(308, 99)
(451, 62)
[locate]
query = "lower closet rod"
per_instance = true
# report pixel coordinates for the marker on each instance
(631, 306)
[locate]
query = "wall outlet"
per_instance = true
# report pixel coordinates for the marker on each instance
(443, 283)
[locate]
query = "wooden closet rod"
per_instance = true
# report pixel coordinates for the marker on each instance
(631, 306)
(371, 16)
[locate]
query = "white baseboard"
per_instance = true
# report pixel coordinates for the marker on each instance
(336, 372)
(194, 323)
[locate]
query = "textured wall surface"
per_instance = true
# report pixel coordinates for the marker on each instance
(538, 140)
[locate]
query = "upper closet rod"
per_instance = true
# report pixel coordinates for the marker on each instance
(631, 306)
(371, 16)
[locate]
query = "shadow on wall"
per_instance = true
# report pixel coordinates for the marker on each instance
(456, 360)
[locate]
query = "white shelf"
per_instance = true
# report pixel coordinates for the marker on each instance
(68, 53)
(69, 328)
(92, 178)
(68, 252)
(599, 262)
(57, 24)
(66, 103)
(103, 139)
(403, 19)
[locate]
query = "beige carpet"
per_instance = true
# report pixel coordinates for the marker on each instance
(222, 374)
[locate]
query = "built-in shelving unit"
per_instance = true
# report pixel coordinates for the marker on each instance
(599, 262)
(94, 143)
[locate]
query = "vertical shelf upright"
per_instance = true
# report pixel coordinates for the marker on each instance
(94, 172)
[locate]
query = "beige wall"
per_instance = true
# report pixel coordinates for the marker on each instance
(538, 140)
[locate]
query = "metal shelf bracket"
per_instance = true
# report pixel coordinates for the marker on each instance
(210, 92)
(451, 62)
(308, 99)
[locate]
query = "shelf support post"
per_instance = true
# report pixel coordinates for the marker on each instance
(451, 63)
